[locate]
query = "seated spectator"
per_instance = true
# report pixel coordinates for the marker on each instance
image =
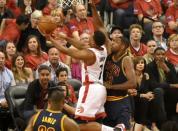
(36, 95)
(172, 52)
(34, 55)
(4, 11)
(62, 75)
(115, 33)
(58, 16)
(52, 4)
(12, 30)
(121, 10)
(147, 12)
(22, 74)
(11, 4)
(158, 31)
(136, 47)
(172, 18)
(10, 51)
(166, 4)
(163, 78)
(54, 63)
(32, 30)
(85, 38)
(35, 4)
(81, 23)
(69, 14)
(144, 96)
(6, 80)
(151, 46)
(27, 9)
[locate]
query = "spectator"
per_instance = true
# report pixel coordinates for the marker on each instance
(116, 33)
(81, 23)
(151, 46)
(84, 38)
(4, 11)
(172, 52)
(34, 55)
(7, 80)
(172, 18)
(122, 9)
(36, 96)
(13, 29)
(62, 75)
(166, 4)
(136, 47)
(11, 4)
(147, 12)
(35, 4)
(59, 19)
(54, 63)
(28, 7)
(22, 74)
(52, 4)
(144, 96)
(32, 29)
(163, 78)
(158, 30)
(10, 51)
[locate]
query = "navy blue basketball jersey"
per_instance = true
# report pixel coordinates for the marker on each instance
(114, 73)
(47, 120)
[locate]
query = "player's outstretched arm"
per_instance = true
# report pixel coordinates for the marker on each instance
(99, 25)
(86, 55)
(73, 41)
(70, 125)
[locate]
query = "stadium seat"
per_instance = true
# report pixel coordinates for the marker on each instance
(15, 96)
(76, 85)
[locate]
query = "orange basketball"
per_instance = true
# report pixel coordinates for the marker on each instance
(46, 25)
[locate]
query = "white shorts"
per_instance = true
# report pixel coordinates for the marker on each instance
(90, 105)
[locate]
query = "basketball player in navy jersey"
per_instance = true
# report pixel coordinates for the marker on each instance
(52, 119)
(119, 76)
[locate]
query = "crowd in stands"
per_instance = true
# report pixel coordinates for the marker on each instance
(148, 27)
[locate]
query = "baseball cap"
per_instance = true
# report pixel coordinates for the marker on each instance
(114, 27)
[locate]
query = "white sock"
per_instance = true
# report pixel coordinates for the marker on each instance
(106, 128)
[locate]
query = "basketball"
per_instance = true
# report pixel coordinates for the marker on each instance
(46, 25)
